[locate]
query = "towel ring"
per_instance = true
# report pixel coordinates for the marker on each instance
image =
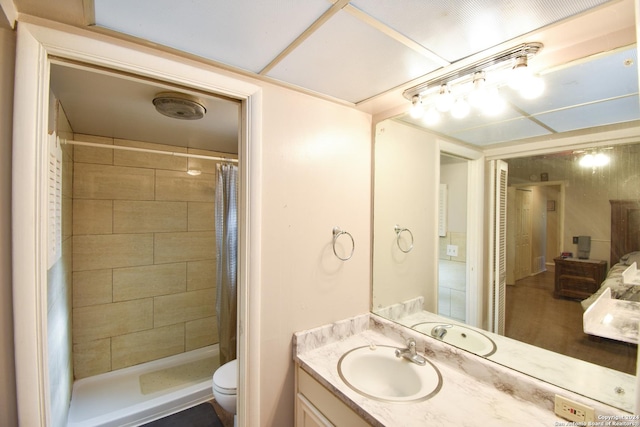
(337, 232)
(399, 230)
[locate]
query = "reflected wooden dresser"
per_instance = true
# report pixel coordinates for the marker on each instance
(578, 278)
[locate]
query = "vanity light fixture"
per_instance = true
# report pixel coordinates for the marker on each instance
(477, 85)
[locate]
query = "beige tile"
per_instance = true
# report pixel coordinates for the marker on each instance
(91, 358)
(83, 154)
(201, 275)
(459, 239)
(149, 281)
(92, 216)
(171, 309)
(442, 247)
(180, 186)
(201, 333)
(94, 252)
(207, 166)
(149, 216)
(140, 347)
(67, 217)
(110, 320)
(149, 160)
(201, 216)
(92, 287)
(189, 246)
(92, 181)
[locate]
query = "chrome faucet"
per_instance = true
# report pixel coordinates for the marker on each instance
(410, 354)
(440, 331)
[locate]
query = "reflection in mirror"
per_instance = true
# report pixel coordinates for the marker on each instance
(452, 238)
(551, 199)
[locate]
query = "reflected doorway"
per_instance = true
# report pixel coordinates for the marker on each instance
(452, 240)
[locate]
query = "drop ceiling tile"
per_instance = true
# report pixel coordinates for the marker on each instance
(494, 133)
(241, 33)
(350, 60)
(601, 78)
(455, 30)
(599, 114)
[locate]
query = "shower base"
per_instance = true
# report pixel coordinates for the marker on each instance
(146, 392)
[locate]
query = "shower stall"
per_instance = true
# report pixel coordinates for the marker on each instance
(132, 264)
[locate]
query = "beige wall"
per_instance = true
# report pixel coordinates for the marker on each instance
(8, 411)
(316, 169)
(144, 268)
(406, 183)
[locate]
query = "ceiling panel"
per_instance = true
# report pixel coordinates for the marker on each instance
(351, 60)
(112, 106)
(241, 33)
(599, 114)
(494, 133)
(457, 30)
(603, 77)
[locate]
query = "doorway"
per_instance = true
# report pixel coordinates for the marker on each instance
(38, 47)
(534, 231)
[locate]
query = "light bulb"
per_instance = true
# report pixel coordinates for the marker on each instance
(431, 117)
(519, 74)
(494, 104)
(445, 100)
(587, 161)
(600, 159)
(532, 88)
(460, 109)
(416, 110)
(479, 91)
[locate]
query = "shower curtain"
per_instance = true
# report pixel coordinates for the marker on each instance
(226, 218)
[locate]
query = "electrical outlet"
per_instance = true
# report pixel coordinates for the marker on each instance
(573, 411)
(452, 250)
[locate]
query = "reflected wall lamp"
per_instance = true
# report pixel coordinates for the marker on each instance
(594, 159)
(477, 86)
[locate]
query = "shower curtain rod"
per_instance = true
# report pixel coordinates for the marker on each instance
(145, 150)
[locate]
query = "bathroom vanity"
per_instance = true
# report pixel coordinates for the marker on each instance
(474, 391)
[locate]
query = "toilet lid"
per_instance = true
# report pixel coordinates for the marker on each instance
(225, 378)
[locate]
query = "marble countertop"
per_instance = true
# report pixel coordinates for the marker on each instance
(596, 382)
(475, 391)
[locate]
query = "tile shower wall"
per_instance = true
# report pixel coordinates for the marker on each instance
(143, 255)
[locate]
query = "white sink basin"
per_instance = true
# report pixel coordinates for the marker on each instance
(376, 372)
(459, 336)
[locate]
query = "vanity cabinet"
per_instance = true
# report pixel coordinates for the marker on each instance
(578, 278)
(318, 407)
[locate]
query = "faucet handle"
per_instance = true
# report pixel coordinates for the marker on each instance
(411, 344)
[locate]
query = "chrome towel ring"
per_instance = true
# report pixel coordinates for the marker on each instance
(337, 232)
(399, 230)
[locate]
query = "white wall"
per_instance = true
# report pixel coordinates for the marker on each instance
(316, 175)
(8, 411)
(406, 193)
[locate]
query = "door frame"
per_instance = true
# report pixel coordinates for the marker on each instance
(36, 44)
(475, 226)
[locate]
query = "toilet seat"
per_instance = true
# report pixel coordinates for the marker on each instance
(225, 378)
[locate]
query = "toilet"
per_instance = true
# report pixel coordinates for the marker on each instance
(225, 386)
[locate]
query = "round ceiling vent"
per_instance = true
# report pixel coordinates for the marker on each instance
(179, 106)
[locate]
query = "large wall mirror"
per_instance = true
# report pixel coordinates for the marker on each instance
(425, 264)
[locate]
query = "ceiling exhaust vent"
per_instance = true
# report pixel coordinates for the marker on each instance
(179, 106)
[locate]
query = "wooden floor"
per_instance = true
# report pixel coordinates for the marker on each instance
(534, 316)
